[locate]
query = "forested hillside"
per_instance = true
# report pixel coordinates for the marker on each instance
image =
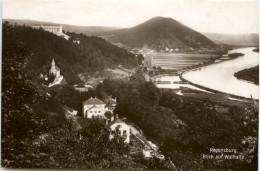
(35, 132)
(90, 55)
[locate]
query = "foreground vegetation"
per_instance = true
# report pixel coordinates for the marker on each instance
(251, 74)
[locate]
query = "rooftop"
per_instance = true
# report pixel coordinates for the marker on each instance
(57, 68)
(110, 103)
(93, 101)
(91, 108)
(115, 121)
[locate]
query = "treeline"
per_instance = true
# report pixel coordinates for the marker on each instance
(235, 55)
(36, 134)
(92, 54)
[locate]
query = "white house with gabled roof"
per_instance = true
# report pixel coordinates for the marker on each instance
(93, 107)
(119, 127)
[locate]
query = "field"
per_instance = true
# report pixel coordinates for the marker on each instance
(180, 60)
(115, 73)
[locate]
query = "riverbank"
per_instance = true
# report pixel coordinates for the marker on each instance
(219, 77)
(212, 90)
(251, 75)
(232, 57)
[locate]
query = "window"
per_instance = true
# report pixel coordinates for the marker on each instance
(90, 111)
(124, 133)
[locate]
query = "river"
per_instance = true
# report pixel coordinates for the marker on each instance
(220, 76)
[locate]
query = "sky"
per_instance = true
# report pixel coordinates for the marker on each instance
(215, 16)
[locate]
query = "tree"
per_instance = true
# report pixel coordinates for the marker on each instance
(19, 122)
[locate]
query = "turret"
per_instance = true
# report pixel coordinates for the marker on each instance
(53, 62)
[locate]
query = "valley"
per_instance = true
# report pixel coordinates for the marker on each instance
(145, 77)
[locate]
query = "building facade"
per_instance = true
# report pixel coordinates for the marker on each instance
(93, 107)
(55, 29)
(119, 127)
(111, 105)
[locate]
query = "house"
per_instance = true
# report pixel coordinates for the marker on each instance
(134, 137)
(81, 88)
(84, 88)
(117, 126)
(111, 104)
(88, 86)
(71, 111)
(93, 107)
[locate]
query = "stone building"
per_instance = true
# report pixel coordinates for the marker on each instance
(55, 29)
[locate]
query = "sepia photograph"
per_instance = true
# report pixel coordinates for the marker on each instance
(130, 84)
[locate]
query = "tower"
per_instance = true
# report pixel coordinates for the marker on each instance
(54, 69)
(52, 64)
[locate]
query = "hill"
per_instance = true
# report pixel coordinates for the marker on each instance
(159, 33)
(92, 54)
(87, 30)
(234, 39)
